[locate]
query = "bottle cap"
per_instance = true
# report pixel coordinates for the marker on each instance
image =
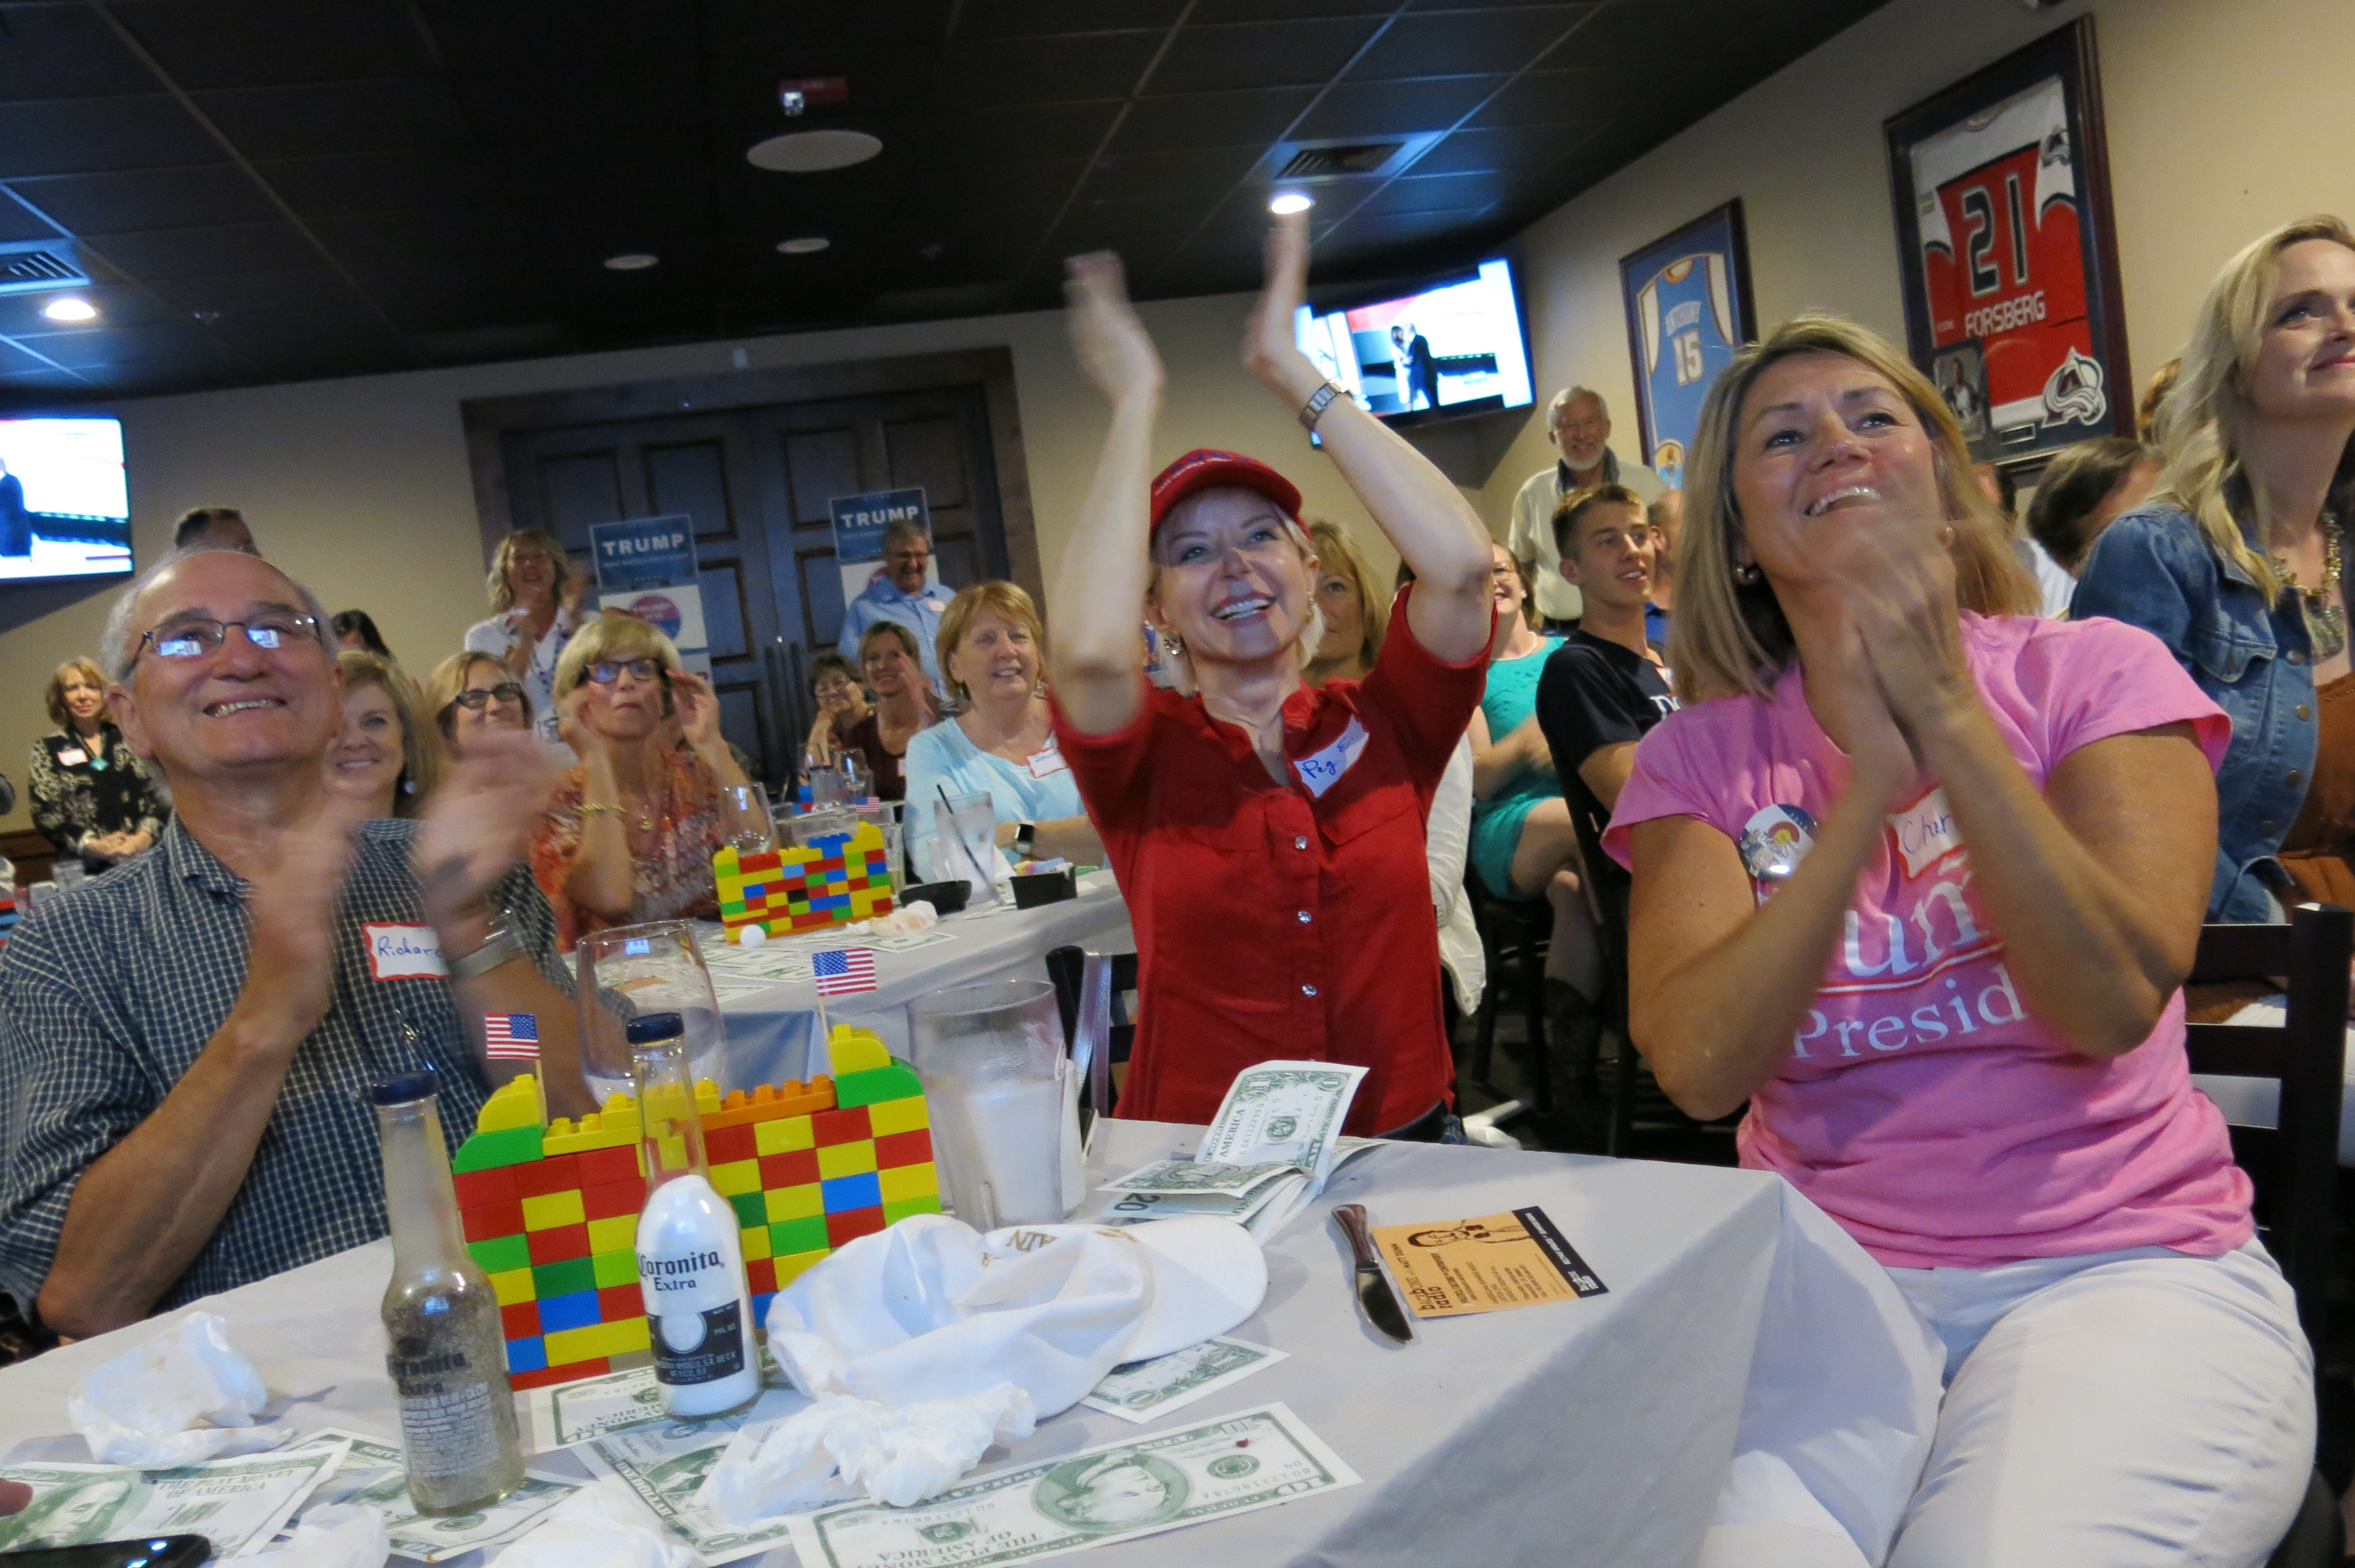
(403, 1087)
(653, 1028)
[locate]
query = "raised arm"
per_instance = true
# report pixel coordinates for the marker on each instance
(1418, 509)
(1097, 607)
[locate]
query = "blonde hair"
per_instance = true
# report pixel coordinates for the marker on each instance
(2203, 421)
(1336, 553)
(503, 559)
(87, 668)
(1730, 637)
(420, 742)
(1312, 626)
(1009, 601)
(449, 678)
(615, 636)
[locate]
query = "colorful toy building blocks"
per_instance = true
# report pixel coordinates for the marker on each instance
(550, 1209)
(830, 880)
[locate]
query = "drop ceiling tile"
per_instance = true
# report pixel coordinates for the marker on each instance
(1591, 93)
(1029, 18)
(66, 51)
(1167, 176)
(20, 222)
(164, 255)
(1210, 118)
(146, 199)
(118, 304)
(236, 296)
(14, 361)
(1459, 43)
(1392, 108)
(1005, 133)
(111, 345)
(386, 181)
(207, 44)
(1261, 54)
(1520, 148)
(1049, 71)
(1284, 10)
(1438, 193)
(320, 118)
(72, 136)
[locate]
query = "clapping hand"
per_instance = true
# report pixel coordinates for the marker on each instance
(579, 576)
(290, 902)
(479, 820)
(1271, 349)
(1108, 341)
(699, 712)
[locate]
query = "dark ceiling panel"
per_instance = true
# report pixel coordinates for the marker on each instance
(65, 50)
(1008, 132)
(383, 182)
(85, 135)
(1168, 178)
(203, 252)
(1050, 70)
(384, 115)
(1393, 108)
(1261, 54)
(1207, 11)
(1439, 193)
(1210, 118)
(138, 200)
(1459, 44)
(1029, 18)
(1549, 97)
(206, 43)
(1520, 148)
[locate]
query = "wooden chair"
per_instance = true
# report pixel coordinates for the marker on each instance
(1065, 967)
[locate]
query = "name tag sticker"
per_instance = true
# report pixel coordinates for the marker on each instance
(73, 757)
(1925, 832)
(1323, 771)
(1047, 762)
(403, 952)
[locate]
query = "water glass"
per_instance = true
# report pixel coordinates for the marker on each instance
(633, 970)
(989, 1055)
(750, 800)
(852, 771)
(965, 844)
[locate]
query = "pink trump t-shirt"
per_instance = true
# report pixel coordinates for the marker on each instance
(1921, 1105)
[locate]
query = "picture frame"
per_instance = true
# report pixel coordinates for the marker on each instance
(1686, 296)
(2000, 187)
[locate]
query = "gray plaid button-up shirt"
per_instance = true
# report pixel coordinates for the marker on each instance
(109, 994)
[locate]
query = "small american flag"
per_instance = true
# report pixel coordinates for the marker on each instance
(514, 1036)
(843, 972)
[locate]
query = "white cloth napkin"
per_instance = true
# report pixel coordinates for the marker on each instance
(600, 1526)
(347, 1536)
(142, 1409)
(841, 1448)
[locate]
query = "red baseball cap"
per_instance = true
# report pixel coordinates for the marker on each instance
(1206, 468)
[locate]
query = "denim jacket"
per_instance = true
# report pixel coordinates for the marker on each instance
(2153, 569)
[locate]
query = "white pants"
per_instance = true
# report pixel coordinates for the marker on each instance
(2124, 1410)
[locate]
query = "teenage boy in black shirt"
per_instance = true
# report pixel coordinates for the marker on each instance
(1606, 686)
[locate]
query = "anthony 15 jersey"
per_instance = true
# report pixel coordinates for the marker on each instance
(1685, 317)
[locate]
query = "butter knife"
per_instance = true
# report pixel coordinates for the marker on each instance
(1375, 1298)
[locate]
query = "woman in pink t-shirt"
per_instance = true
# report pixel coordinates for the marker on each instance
(1919, 876)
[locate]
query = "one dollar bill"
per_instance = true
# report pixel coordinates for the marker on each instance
(1283, 1113)
(1163, 1480)
(1195, 1176)
(664, 1465)
(373, 1474)
(237, 1504)
(1147, 1391)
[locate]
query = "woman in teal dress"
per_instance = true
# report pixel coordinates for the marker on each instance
(1523, 844)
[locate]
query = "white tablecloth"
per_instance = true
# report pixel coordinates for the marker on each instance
(1591, 1431)
(769, 1031)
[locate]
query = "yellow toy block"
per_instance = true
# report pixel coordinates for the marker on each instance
(803, 1203)
(619, 1233)
(515, 1103)
(855, 1050)
(736, 1177)
(889, 1117)
(846, 1159)
(793, 1268)
(513, 1288)
(553, 1211)
(756, 1244)
(594, 1340)
(905, 1181)
(598, 1130)
(784, 1136)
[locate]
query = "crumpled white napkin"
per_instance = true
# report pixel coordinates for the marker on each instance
(345, 1535)
(905, 921)
(601, 1525)
(841, 1448)
(141, 1409)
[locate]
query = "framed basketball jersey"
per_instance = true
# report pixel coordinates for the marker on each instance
(1688, 310)
(2010, 266)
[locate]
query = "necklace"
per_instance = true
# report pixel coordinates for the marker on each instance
(2326, 614)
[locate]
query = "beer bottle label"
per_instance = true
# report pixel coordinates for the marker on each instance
(698, 1347)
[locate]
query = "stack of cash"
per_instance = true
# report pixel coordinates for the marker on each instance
(237, 1504)
(1276, 1141)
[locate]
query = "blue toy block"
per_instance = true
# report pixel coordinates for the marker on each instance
(841, 1193)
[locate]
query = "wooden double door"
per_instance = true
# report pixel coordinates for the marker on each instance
(757, 480)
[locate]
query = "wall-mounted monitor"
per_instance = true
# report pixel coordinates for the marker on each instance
(64, 511)
(1454, 348)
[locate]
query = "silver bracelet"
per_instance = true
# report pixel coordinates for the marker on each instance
(1318, 401)
(499, 948)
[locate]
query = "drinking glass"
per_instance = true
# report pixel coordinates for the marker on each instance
(965, 848)
(633, 970)
(853, 773)
(752, 800)
(989, 1056)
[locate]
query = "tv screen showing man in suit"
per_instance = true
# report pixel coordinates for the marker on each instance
(1453, 348)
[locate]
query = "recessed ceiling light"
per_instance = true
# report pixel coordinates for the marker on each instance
(70, 308)
(1290, 201)
(812, 152)
(631, 262)
(808, 245)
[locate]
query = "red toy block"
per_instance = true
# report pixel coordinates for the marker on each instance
(547, 1376)
(620, 1303)
(481, 1189)
(599, 1166)
(556, 1245)
(841, 1126)
(541, 1379)
(729, 1144)
(843, 1229)
(794, 1168)
(893, 1150)
(491, 1221)
(612, 1199)
(520, 1321)
(760, 1274)
(552, 1173)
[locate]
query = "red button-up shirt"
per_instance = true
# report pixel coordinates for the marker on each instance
(1273, 923)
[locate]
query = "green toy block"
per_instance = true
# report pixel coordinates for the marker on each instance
(789, 1237)
(614, 1268)
(489, 1150)
(896, 1082)
(500, 1254)
(563, 1278)
(751, 1213)
(894, 1212)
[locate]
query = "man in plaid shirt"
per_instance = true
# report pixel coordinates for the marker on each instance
(185, 1042)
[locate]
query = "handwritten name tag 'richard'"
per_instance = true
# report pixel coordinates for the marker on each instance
(1321, 771)
(403, 952)
(1925, 832)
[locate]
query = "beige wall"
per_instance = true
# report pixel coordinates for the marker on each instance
(360, 487)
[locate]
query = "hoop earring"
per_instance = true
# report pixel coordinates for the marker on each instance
(1748, 575)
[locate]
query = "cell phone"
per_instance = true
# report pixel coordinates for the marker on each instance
(156, 1552)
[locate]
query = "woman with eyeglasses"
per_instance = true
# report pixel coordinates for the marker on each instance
(841, 705)
(631, 829)
(469, 693)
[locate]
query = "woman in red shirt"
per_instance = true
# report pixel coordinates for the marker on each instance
(1267, 835)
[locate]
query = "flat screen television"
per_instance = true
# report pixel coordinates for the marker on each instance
(64, 511)
(1454, 348)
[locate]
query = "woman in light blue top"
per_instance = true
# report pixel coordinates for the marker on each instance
(1002, 741)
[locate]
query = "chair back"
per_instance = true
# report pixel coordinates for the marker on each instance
(2296, 1162)
(1066, 967)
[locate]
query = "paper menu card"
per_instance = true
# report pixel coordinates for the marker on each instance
(1486, 1265)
